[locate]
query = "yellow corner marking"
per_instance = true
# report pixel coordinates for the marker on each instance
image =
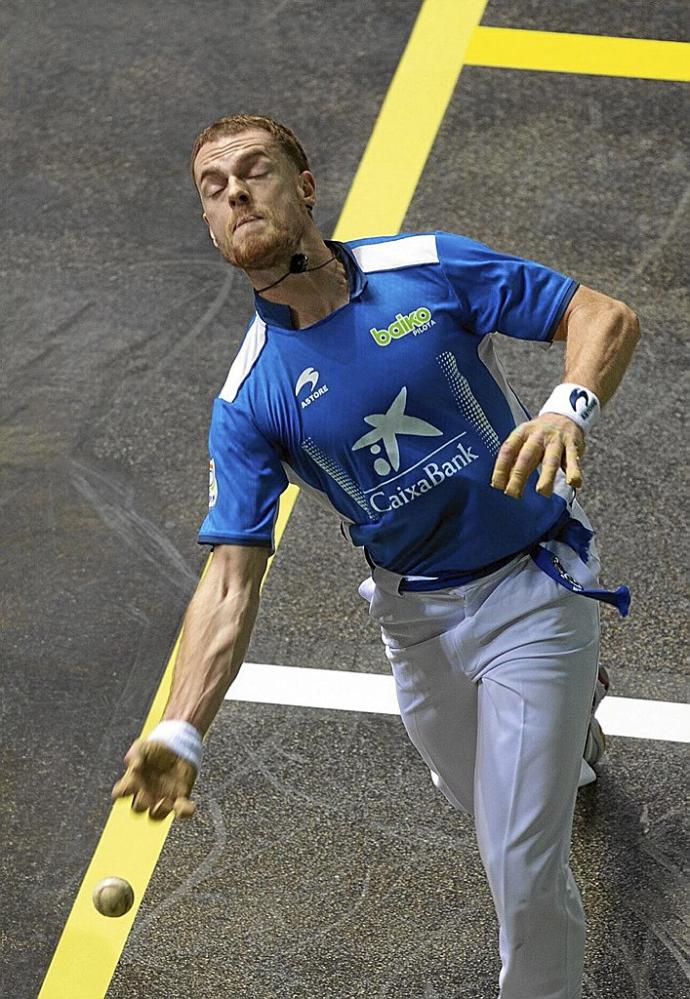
(601, 55)
(91, 945)
(409, 120)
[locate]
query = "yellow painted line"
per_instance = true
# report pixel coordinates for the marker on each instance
(91, 945)
(600, 55)
(409, 120)
(130, 845)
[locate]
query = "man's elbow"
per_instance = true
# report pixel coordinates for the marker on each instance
(631, 321)
(236, 572)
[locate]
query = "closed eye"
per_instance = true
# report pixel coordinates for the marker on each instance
(251, 176)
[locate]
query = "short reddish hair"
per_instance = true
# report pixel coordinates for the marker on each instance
(283, 135)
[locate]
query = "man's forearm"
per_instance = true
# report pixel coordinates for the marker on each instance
(216, 633)
(599, 348)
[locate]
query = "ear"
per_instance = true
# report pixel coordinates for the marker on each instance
(308, 189)
(210, 230)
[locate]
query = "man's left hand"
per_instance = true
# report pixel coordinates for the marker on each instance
(552, 441)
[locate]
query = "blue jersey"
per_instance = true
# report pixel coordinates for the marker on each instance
(392, 409)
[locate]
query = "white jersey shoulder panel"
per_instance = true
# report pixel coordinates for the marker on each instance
(396, 253)
(246, 358)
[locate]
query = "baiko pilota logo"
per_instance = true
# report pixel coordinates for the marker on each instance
(417, 321)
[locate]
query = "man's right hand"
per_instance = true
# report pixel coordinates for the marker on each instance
(215, 637)
(159, 780)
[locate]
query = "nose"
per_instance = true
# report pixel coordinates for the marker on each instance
(237, 194)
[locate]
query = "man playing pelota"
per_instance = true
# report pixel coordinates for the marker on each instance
(369, 377)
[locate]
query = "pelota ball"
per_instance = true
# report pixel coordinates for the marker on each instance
(113, 896)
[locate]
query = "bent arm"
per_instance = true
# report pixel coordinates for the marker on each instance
(601, 334)
(217, 627)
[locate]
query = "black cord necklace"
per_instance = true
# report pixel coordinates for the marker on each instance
(298, 265)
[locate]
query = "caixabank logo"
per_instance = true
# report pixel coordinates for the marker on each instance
(417, 321)
(409, 484)
(393, 434)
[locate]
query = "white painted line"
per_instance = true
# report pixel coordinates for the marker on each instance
(668, 721)
(342, 690)
(338, 689)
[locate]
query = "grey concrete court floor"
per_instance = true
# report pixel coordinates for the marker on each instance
(322, 861)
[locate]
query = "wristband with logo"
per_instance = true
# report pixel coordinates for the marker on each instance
(182, 737)
(580, 404)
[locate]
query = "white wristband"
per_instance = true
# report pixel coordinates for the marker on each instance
(579, 403)
(182, 737)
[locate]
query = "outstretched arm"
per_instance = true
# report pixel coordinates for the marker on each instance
(217, 628)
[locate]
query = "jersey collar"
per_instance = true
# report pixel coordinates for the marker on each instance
(275, 314)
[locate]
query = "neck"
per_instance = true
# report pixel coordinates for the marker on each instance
(311, 295)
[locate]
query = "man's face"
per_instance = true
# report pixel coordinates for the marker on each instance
(248, 175)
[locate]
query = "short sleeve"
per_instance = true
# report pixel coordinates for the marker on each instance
(502, 293)
(245, 481)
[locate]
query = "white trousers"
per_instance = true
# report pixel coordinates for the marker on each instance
(495, 681)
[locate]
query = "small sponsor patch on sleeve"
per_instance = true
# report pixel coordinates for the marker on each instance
(212, 484)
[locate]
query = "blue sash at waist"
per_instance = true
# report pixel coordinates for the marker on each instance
(575, 535)
(567, 530)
